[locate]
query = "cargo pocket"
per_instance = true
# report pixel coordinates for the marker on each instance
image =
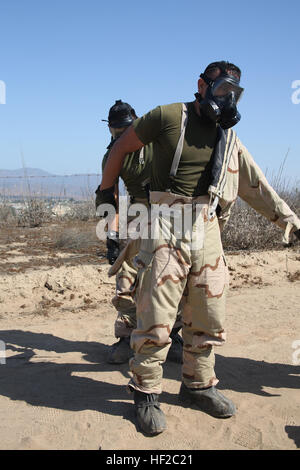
(143, 263)
(125, 255)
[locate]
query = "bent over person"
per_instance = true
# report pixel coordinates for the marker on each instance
(135, 173)
(198, 164)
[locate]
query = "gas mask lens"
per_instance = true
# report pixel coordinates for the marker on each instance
(222, 87)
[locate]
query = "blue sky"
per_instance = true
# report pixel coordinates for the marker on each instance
(65, 63)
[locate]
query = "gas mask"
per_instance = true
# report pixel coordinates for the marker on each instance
(220, 102)
(120, 116)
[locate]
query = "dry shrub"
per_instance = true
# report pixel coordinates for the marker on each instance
(7, 214)
(34, 213)
(82, 211)
(75, 239)
(248, 230)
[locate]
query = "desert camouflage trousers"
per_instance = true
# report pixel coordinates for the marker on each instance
(126, 276)
(123, 300)
(171, 269)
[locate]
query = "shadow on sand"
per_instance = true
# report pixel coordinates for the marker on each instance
(52, 384)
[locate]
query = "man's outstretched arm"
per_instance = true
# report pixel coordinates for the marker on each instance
(127, 143)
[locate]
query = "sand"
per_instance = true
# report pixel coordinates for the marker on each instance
(58, 392)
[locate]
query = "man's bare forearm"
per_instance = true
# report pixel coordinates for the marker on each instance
(115, 222)
(127, 143)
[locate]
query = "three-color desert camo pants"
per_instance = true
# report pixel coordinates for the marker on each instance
(172, 269)
(126, 276)
(123, 300)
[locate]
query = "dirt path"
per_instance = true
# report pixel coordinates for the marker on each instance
(58, 392)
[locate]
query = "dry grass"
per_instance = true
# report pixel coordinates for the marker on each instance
(7, 214)
(83, 211)
(245, 230)
(75, 239)
(34, 214)
(248, 230)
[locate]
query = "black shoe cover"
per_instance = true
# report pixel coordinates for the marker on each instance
(150, 417)
(120, 352)
(209, 400)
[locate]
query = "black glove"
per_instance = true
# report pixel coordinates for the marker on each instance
(106, 196)
(113, 247)
(297, 233)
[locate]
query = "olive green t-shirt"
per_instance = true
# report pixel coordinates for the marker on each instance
(161, 126)
(135, 170)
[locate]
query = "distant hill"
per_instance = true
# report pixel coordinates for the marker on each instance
(24, 172)
(18, 183)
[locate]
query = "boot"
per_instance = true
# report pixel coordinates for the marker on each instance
(175, 351)
(209, 400)
(150, 417)
(120, 352)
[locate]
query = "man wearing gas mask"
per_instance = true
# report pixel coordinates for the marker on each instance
(219, 104)
(198, 164)
(135, 175)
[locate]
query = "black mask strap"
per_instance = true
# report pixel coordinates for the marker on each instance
(207, 80)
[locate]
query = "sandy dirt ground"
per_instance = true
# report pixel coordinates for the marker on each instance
(56, 324)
